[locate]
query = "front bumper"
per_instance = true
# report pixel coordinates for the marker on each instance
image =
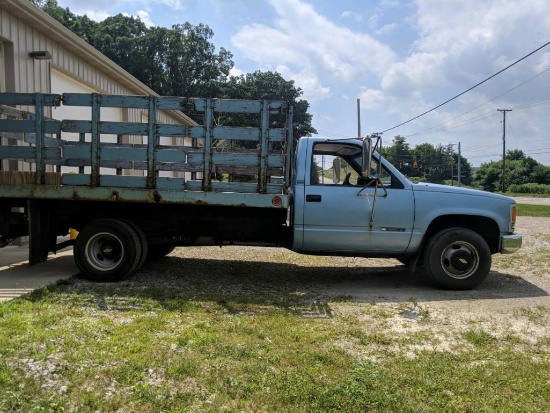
(510, 243)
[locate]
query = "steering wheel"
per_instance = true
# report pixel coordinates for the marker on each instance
(346, 179)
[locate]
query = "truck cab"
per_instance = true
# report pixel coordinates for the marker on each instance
(345, 204)
(358, 215)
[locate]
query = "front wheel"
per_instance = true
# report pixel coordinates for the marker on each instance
(457, 259)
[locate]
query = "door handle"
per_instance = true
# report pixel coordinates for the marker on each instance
(313, 198)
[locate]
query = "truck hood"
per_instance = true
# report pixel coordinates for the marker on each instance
(427, 187)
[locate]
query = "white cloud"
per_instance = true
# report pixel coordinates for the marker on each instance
(81, 7)
(173, 4)
(309, 82)
(387, 29)
(145, 18)
(448, 58)
(236, 72)
(358, 17)
(97, 15)
(371, 98)
(458, 46)
(318, 49)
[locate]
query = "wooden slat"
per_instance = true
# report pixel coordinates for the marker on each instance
(118, 101)
(27, 178)
(289, 151)
(17, 152)
(196, 132)
(109, 128)
(117, 154)
(28, 126)
(237, 106)
(96, 140)
(28, 99)
(242, 134)
(177, 155)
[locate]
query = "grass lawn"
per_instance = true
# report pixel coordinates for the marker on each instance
(533, 210)
(255, 344)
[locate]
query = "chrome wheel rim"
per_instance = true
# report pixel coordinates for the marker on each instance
(104, 251)
(460, 260)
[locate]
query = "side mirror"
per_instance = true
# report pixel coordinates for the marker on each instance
(336, 166)
(367, 157)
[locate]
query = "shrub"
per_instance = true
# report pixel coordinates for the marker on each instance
(531, 188)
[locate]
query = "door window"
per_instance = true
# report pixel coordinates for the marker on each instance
(336, 163)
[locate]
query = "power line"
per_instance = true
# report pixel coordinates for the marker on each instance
(466, 91)
(482, 149)
(472, 120)
(456, 125)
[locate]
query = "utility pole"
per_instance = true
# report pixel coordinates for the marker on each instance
(458, 177)
(503, 145)
(459, 166)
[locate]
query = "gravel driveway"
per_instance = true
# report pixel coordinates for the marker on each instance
(513, 300)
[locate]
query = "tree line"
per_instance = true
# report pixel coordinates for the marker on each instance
(523, 174)
(439, 164)
(426, 162)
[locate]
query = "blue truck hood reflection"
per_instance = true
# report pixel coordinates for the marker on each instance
(427, 187)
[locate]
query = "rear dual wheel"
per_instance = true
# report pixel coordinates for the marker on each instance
(110, 249)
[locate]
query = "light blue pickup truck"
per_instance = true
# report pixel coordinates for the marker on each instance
(216, 182)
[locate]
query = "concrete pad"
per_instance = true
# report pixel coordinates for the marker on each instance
(532, 200)
(17, 278)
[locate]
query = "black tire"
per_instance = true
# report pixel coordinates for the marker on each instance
(158, 251)
(107, 250)
(143, 242)
(457, 259)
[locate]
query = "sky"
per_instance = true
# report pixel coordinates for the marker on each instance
(400, 58)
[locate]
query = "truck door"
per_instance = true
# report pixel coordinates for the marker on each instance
(346, 215)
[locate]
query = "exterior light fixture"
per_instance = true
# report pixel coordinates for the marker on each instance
(41, 55)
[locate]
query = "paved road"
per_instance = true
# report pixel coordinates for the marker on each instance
(532, 200)
(17, 278)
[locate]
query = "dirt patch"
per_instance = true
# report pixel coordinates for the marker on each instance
(512, 304)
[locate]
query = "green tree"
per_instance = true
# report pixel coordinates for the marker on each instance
(520, 170)
(400, 155)
(181, 61)
(465, 169)
(271, 86)
(427, 162)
